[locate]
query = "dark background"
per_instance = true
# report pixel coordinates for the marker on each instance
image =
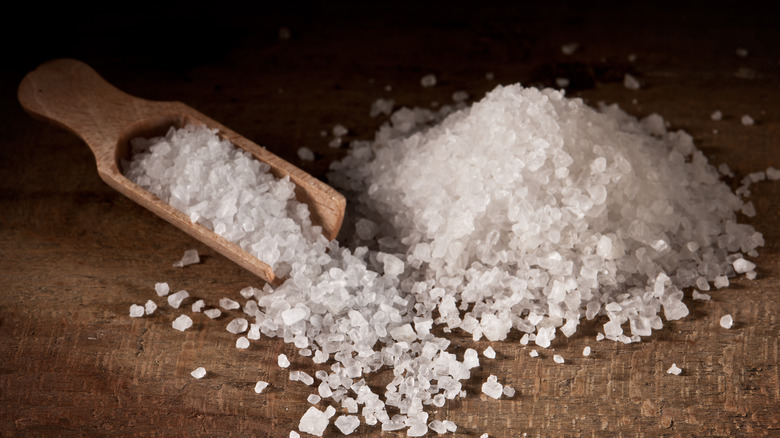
(76, 254)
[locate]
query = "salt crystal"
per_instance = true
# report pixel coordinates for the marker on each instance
(674, 370)
(751, 275)
(558, 358)
(162, 289)
(717, 115)
(438, 427)
(490, 76)
(484, 435)
(313, 399)
(630, 82)
(534, 353)
(509, 391)
(747, 120)
(599, 336)
(428, 80)
(741, 266)
(460, 96)
(238, 325)
(248, 292)
(586, 351)
(183, 322)
(489, 353)
(313, 421)
(150, 307)
(700, 296)
(562, 82)
(305, 154)
(381, 106)
(260, 386)
(198, 373)
(197, 306)
(242, 343)
(228, 304)
(450, 425)
(213, 313)
(190, 258)
(136, 311)
(294, 434)
(721, 281)
(772, 174)
(726, 321)
(492, 388)
(347, 423)
(291, 316)
(283, 361)
(175, 300)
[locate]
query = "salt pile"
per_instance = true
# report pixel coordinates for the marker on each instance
(525, 211)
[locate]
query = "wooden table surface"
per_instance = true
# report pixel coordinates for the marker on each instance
(76, 254)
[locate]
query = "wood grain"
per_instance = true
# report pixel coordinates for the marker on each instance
(76, 254)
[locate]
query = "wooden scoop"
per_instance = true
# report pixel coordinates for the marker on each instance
(72, 95)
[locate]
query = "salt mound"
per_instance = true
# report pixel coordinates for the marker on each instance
(539, 210)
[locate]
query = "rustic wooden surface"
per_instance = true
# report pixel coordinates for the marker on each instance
(76, 254)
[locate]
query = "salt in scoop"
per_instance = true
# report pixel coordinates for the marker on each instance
(72, 95)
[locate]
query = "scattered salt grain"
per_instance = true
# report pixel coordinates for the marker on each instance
(721, 281)
(509, 391)
(198, 373)
(347, 423)
(492, 388)
(305, 154)
(190, 258)
(175, 300)
(700, 296)
(747, 120)
(197, 306)
(717, 115)
(260, 386)
(489, 353)
(674, 369)
(562, 82)
(283, 361)
(340, 131)
(162, 289)
(150, 307)
(630, 82)
(558, 358)
(183, 322)
(228, 304)
(381, 106)
(314, 421)
(437, 426)
(533, 353)
(294, 434)
(460, 96)
(600, 336)
(484, 435)
(450, 425)
(313, 399)
(242, 343)
(136, 311)
(772, 174)
(213, 313)
(726, 321)
(751, 275)
(428, 80)
(586, 351)
(238, 325)
(569, 48)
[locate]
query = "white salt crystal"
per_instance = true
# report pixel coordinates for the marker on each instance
(586, 351)
(238, 325)
(175, 300)
(489, 353)
(484, 435)
(490, 76)
(717, 115)
(162, 289)
(305, 154)
(562, 82)
(721, 281)
(228, 304)
(248, 292)
(674, 370)
(347, 423)
(558, 358)
(313, 421)
(534, 353)
(381, 106)
(183, 322)
(460, 96)
(470, 358)
(599, 336)
(437, 426)
(741, 265)
(294, 434)
(509, 391)
(631, 57)
(198, 373)
(772, 174)
(242, 343)
(569, 48)
(404, 333)
(700, 296)
(340, 130)
(305, 378)
(747, 120)
(190, 258)
(283, 361)
(136, 311)
(291, 316)
(150, 307)
(428, 80)
(197, 306)
(313, 399)
(726, 321)
(492, 388)
(750, 275)
(450, 425)
(213, 313)
(630, 82)
(260, 386)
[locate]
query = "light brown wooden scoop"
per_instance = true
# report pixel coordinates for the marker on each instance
(72, 95)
